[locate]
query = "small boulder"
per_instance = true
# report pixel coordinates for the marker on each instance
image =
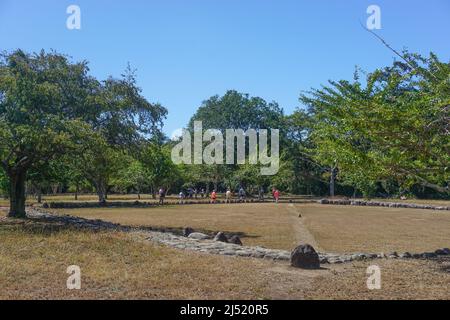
(392, 255)
(198, 236)
(220, 236)
(187, 231)
(405, 255)
(428, 255)
(305, 257)
(235, 240)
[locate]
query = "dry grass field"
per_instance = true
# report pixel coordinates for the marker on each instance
(117, 265)
(330, 228)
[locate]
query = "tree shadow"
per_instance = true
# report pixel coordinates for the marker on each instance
(51, 224)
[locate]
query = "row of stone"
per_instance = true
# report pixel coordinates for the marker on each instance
(144, 204)
(382, 204)
(203, 243)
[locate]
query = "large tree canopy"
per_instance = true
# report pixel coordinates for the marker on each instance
(394, 127)
(45, 99)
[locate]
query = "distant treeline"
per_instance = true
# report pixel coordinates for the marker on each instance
(386, 133)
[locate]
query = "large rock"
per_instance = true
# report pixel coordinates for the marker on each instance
(305, 257)
(198, 236)
(236, 240)
(221, 237)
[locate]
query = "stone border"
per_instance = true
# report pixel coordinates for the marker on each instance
(382, 204)
(216, 247)
(148, 204)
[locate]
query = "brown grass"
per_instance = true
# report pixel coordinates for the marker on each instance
(268, 225)
(334, 228)
(116, 265)
(372, 229)
(400, 279)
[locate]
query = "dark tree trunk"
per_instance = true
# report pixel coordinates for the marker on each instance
(101, 191)
(39, 194)
(17, 193)
(77, 189)
(333, 181)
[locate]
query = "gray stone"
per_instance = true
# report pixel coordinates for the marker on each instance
(236, 240)
(335, 261)
(406, 255)
(283, 256)
(229, 252)
(428, 255)
(243, 253)
(392, 255)
(257, 255)
(198, 236)
(187, 231)
(305, 257)
(221, 237)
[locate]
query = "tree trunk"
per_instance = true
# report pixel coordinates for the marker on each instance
(77, 187)
(101, 191)
(39, 194)
(332, 181)
(17, 193)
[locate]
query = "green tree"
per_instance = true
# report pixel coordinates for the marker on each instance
(47, 103)
(160, 170)
(35, 114)
(393, 126)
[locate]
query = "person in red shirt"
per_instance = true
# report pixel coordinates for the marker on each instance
(213, 196)
(276, 195)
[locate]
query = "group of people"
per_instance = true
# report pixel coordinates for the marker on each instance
(193, 193)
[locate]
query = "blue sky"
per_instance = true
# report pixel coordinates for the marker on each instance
(188, 50)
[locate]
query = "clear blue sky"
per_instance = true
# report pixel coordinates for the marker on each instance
(188, 50)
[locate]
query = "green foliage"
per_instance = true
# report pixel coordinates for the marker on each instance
(50, 109)
(396, 125)
(388, 134)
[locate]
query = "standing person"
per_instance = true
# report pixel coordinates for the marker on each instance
(241, 194)
(195, 193)
(181, 197)
(261, 194)
(276, 195)
(213, 196)
(228, 196)
(161, 196)
(202, 193)
(273, 193)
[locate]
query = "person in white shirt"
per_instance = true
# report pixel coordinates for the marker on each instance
(228, 196)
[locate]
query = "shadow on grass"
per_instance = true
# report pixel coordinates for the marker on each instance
(48, 225)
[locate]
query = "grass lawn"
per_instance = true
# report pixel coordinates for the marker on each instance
(116, 265)
(330, 228)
